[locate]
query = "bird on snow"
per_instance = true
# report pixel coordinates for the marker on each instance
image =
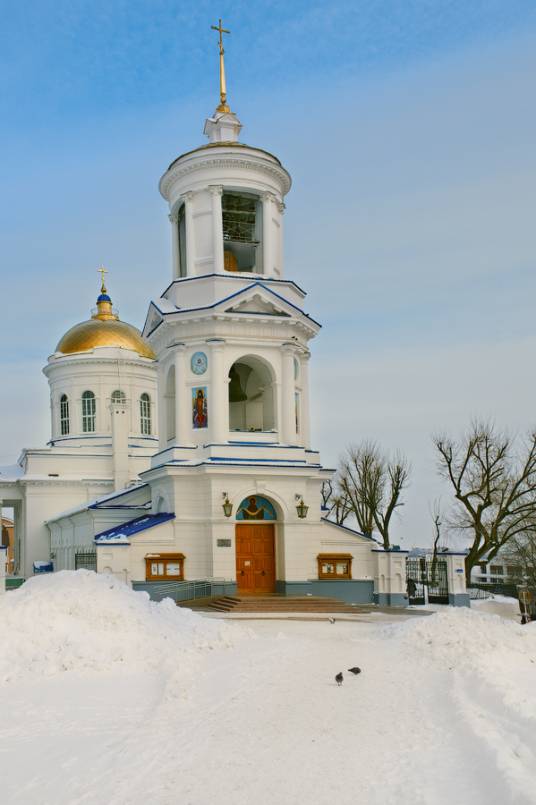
(339, 678)
(331, 620)
(355, 670)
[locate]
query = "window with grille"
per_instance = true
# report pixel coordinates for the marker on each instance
(89, 409)
(242, 227)
(64, 415)
(145, 414)
(119, 397)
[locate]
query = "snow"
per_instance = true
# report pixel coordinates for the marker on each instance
(106, 697)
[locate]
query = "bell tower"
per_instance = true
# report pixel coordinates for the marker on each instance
(230, 332)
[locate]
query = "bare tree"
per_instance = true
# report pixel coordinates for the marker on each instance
(336, 500)
(522, 554)
(494, 486)
(438, 523)
(373, 485)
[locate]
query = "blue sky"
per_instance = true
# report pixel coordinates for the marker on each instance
(409, 130)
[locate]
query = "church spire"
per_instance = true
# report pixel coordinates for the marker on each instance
(223, 107)
(223, 126)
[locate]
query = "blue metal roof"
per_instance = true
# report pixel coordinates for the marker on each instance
(119, 534)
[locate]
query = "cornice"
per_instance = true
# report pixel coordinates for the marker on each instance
(229, 161)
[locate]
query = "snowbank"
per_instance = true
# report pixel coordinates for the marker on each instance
(499, 605)
(81, 621)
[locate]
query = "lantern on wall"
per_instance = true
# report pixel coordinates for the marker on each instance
(301, 508)
(227, 505)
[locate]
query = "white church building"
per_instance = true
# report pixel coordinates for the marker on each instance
(184, 454)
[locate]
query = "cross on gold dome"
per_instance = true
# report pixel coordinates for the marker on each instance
(102, 271)
(223, 107)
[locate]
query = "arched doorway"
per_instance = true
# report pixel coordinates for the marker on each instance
(255, 546)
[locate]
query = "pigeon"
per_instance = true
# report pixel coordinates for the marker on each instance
(339, 678)
(355, 671)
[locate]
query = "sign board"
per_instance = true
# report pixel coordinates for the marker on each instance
(223, 543)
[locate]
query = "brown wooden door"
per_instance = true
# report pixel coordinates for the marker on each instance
(255, 558)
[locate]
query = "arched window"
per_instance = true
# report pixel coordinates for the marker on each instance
(170, 404)
(145, 414)
(242, 232)
(118, 397)
(88, 412)
(251, 396)
(64, 415)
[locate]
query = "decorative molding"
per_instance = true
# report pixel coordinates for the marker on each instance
(175, 173)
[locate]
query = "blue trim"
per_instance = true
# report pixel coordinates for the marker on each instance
(259, 460)
(227, 299)
(99, 501)
(132, 527)
(227, 276)
(346, 528)
(237, 462)
(382, 550)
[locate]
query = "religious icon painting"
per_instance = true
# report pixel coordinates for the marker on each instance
(256, 507)
(199, 407)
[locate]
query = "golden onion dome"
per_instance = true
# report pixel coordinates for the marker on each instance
(104, 329)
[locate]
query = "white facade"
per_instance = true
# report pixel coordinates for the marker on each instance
(96, 447)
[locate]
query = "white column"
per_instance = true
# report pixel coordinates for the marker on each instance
(267, 234)
(183, 405)
(216, 192)
(281, 208)
(288, 418)
(175, 259)
(305, 412)
(218, 401)
(120, 422)
(190, 233)
(162, 408)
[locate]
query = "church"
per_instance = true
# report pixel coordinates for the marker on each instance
(182, 455)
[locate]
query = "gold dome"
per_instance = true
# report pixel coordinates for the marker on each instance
(104, 330)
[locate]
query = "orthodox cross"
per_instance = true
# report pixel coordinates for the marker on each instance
(102, 271)
(223, 107)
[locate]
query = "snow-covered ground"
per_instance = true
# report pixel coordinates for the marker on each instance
(109, 699)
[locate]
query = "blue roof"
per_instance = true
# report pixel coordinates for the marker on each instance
(119, 534)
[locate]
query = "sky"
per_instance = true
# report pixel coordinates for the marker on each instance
(408, 129)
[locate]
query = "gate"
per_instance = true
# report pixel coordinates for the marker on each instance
(426, 574)
(86, 560)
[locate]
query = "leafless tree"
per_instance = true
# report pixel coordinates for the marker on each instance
(494, 484)
(336, 500)
(522, 555)
(373, 484)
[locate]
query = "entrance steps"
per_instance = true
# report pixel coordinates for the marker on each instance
(282, 603)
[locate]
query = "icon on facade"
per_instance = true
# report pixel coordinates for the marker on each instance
(256, 508)
(199, 407)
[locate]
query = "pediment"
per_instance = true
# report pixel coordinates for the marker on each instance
(256, 303)
(154, 318)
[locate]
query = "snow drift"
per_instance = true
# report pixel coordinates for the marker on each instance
(81, 621)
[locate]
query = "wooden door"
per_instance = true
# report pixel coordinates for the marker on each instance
(255, 559)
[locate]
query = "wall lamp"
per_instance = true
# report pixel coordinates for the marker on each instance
(301, 508)
(227, 505)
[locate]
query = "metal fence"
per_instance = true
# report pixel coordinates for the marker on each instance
(426, 579)
(86, 560)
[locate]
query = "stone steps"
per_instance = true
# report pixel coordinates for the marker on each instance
(276, 603)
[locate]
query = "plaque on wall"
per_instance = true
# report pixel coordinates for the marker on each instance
(223, 543)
